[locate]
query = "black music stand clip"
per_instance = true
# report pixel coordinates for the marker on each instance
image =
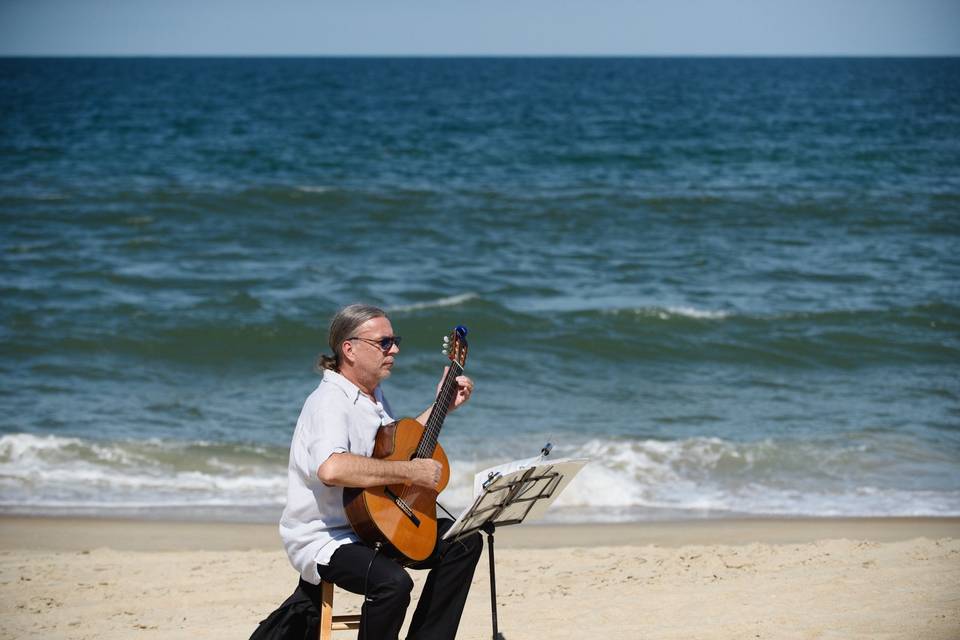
(511, 494)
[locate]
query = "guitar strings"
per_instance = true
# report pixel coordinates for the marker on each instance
(432, 433)
(428, 441)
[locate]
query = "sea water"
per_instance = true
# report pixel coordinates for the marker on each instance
(731, 283)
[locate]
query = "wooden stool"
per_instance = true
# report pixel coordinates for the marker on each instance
(329, 622)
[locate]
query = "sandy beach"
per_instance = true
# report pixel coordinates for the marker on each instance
(757, 578)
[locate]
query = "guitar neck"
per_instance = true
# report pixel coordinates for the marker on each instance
(431, 431)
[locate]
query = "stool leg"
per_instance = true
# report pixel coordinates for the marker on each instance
(326, 611)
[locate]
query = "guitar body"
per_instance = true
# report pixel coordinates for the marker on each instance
(408, 528)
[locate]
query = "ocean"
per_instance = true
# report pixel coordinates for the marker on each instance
(731, 283)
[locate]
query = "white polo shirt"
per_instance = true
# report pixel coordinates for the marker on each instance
(337, 417)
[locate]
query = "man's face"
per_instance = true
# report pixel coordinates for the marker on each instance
(372, 362)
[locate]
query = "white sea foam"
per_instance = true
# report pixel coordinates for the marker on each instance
(668, 312)
(665, 313)
(700, 314)
(54, 471)
(314, 188)
(627, 479)
(450, 301)
(637, 479)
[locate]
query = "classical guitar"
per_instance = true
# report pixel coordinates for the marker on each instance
(403, 518)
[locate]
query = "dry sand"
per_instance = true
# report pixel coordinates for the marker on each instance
(821, 578)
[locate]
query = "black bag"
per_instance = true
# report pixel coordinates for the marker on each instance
(296, 619)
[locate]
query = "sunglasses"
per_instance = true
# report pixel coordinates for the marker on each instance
(385, 344)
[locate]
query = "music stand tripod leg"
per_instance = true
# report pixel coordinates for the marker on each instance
(488, 529)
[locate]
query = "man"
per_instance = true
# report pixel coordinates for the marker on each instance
(331, 449)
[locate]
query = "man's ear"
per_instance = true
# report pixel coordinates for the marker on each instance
(347, 350)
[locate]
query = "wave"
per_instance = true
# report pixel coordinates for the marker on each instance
(749, 207)
(211, 333)
(923, 334)
(543, 201)
(666, 313)
(449, 301)
(627, 479)
(696, 477)
(231, 202)
(40, 472)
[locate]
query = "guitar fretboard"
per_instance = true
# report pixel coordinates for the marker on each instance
(431, 431)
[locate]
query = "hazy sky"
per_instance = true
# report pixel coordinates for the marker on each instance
(478, 27)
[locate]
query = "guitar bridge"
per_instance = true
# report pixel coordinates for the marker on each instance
(403, 506)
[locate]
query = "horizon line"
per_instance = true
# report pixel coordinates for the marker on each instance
(479, 55)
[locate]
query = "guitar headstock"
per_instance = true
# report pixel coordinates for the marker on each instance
(455, 345)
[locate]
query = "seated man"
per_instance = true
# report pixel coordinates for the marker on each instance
(331, 449)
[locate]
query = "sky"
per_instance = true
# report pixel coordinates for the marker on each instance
(480, 27)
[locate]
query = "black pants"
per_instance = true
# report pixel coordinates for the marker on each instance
(388, 587)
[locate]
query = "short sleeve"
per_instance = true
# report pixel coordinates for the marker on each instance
(323, 433)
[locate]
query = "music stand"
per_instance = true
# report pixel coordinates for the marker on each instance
(511, 497)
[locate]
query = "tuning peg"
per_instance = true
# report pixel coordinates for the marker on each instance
(443, 351)
(446, 339)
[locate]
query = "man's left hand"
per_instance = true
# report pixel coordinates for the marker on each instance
(464, 390)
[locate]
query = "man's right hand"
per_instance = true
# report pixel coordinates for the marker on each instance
(425, 472)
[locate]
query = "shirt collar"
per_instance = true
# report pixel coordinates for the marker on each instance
(349, 389)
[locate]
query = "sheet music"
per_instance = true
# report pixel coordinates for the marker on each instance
(515, 492)
(503, 469)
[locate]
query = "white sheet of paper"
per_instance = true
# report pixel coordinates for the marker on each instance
(491, 499)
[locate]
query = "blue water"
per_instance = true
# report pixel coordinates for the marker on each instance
(732, 283)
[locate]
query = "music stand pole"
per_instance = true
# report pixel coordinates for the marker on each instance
(488, 528)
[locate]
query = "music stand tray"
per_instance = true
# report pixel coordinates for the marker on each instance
(512, 493)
